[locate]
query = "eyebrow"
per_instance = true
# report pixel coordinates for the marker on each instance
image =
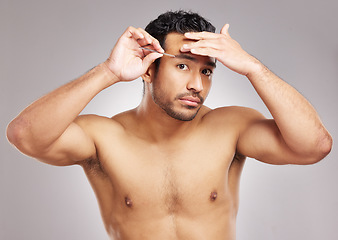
(191, 58)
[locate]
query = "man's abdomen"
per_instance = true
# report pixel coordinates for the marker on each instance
(213, 222)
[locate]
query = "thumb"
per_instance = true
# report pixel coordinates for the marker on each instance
(149, 59)
(225, 30)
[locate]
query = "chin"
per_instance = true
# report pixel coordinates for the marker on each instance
(187, 115)
(177, 111)
(184, 118)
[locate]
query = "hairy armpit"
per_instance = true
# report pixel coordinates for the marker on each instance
(94, 167)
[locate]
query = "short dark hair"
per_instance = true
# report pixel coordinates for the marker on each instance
(177, 21)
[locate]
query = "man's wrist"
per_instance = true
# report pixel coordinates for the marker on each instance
(110, 76)
(257, 69)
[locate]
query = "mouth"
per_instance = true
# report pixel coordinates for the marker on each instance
(190, 101)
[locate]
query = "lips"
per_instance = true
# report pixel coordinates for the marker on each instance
(190, 100)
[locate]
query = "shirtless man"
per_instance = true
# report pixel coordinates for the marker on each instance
(170, 168)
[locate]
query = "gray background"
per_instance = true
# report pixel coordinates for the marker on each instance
(46, 43)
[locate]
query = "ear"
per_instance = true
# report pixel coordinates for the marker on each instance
(149, 74)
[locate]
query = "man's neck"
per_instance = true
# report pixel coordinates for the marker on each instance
(158, 126)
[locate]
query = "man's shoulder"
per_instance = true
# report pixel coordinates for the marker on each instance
(231, 113)
(96, 123)
(229, 122)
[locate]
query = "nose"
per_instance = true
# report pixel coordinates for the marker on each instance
(195, 83)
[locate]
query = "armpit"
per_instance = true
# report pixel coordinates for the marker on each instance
(93, 166)
(239, 157)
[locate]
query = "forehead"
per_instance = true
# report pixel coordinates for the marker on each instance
(174, 42)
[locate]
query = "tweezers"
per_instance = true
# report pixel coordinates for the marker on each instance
(152, 50)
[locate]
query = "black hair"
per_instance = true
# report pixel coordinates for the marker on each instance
(177, 21)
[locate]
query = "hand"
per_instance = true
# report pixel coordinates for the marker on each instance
(223, 48)
(127, 61)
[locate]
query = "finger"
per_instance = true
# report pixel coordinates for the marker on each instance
(147, 37)
(210, 52)
(154, 45)
(200, 35)
(132, 32)
(210, 43)
(141, 36)
(147, 50)
(149, 59)
(157, 46)
(225, 30)
(150, 40)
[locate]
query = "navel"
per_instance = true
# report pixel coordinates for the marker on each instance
(213, 196)
(128, 202)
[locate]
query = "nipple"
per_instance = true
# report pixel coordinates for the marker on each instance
(213, 196)
(128, 202)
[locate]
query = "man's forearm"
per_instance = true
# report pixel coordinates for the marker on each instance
(46, 119)
(295, 117)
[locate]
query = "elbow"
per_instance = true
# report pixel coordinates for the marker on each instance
(13, 132)
(321, 149)
(16, 134)
(325, 145)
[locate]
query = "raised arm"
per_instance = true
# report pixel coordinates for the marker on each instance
(50, 129)
(296, 135)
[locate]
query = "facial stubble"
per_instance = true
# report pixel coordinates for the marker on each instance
(168, 106)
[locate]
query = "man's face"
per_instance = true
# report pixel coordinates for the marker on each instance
(181, 83)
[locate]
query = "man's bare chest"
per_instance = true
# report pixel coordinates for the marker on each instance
(175, 175)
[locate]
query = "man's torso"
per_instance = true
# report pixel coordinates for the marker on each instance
(185, 187)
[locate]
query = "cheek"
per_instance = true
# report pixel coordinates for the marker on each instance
(162, 87)
(206, 87)
(172, 80)
(208, 84)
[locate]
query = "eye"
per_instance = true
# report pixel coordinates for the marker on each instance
(206, 72)
(182, 66)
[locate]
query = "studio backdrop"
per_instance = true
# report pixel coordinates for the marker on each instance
(46, 43)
